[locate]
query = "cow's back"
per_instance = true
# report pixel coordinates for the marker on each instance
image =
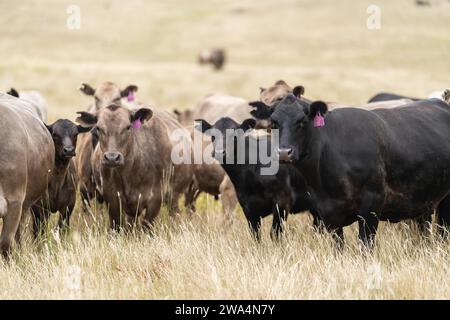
(215, 106)
(38, 101)
(405, 151)
(417, 132)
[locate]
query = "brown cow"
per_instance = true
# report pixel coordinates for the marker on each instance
(134, 159)
(215, 106)
(278, 91)
(215, 57)
(106, 94)
(27, 159)
(61, 191)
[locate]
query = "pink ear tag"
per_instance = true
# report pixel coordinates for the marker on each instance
(130, 96)
(136, 124)
(319, 120)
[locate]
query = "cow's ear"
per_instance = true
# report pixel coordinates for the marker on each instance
(262, 111)
(298, 91)
(140, 116)
(82, 129)
(316, 108)
(202, 125)
(87, 89)
(86, 119)
(128, 90)
(176, 112)
(13, 92)
(248, 124)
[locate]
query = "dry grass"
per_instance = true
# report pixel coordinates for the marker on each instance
(197, 258)
(323, 45)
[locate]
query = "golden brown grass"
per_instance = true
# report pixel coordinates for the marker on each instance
(323, 45)
(203, 258)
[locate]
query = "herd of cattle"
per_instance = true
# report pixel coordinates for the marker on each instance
(386, 160)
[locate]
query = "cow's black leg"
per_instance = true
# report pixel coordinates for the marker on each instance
(368, 225)
(443, 217)
(255, 227)
(40, 216)
(338, 237)
(318, 224)
(278, 223)
(423, 223)
(64, 219)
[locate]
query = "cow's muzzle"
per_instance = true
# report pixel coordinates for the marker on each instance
(69, 152)
(285, 154)
(113, 159)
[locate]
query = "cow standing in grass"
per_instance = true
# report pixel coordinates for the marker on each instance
(216, 57)
(260, 194)
(367, 166)
(27, 158)
(106, 94)
(134, 157)
(61, 192)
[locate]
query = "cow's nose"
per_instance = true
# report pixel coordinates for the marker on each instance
(69, 151)
(113, 158)
(285, 154)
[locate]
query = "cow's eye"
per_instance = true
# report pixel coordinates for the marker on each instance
(126, 129)
(97, 99)
(116, 100)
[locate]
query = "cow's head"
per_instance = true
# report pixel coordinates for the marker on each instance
(108, 93)
(277, 92)
(184, 117)
(64, 134)
(115, 127)
(221, 130)
(294, 118)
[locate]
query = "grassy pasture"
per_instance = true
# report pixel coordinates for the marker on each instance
(324, 45)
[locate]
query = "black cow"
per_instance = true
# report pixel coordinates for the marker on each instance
(385, 96)
(259, 195)
(366, 166)
(61, 191)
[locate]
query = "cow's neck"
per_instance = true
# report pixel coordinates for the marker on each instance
(232, 170)
(312, 147)
(58, 176)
